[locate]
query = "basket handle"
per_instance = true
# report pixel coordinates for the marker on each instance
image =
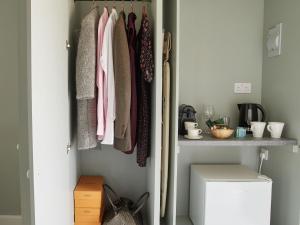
(140, 203)
(110, 193)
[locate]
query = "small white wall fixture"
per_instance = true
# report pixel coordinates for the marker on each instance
(274, 40)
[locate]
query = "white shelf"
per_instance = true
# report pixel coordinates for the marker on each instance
(247, 141)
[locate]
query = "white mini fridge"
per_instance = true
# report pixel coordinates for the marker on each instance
(229, 195)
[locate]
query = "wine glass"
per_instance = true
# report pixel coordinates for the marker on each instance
(208, 113)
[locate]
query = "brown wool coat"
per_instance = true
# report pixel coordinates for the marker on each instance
(122, 140)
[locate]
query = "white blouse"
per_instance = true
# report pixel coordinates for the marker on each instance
(109, 80)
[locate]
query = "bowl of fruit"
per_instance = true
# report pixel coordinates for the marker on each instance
(221, 131)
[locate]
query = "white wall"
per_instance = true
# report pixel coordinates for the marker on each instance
(220, 44)
(280, 95)
(9, 168)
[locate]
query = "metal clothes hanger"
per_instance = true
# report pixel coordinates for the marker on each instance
(114, 5)
(106, 6)
(144, 10)
(123, 6)
(93, 6)
(131, 6)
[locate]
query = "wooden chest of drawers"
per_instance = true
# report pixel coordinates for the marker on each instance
(89, 200)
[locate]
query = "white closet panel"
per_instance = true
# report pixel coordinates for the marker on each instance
(54, 169)
(24, 133)
(171, 24)
(153, 182)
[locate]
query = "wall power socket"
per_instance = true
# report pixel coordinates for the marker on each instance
(242, 88)
(264, 153)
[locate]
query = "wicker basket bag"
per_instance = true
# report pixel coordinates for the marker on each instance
(123, 211)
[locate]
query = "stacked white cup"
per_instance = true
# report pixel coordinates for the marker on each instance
(192, 130)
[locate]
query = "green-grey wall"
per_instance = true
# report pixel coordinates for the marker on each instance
(220, 44)
(9, 168)
(280, 95)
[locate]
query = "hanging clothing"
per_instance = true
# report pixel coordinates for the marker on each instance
(146, 60)
(145, 74)
(100, 76)
(86, 120)
(86, 57)
(132, 52)
(109, 80)
(121, 57)
(165, 123)
(85, 82)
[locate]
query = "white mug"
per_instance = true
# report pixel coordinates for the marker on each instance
(257, 129)
(275, 128)
(194, 132)
(190, 125)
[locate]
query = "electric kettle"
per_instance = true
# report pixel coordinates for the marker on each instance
(249, 113)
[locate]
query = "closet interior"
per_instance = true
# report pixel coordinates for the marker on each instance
(120, 170)
(60, 23)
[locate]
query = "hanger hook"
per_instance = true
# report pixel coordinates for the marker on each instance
(131, 5)
(93, 5)
(144, 10)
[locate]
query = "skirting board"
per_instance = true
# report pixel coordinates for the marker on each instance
(10, 220)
